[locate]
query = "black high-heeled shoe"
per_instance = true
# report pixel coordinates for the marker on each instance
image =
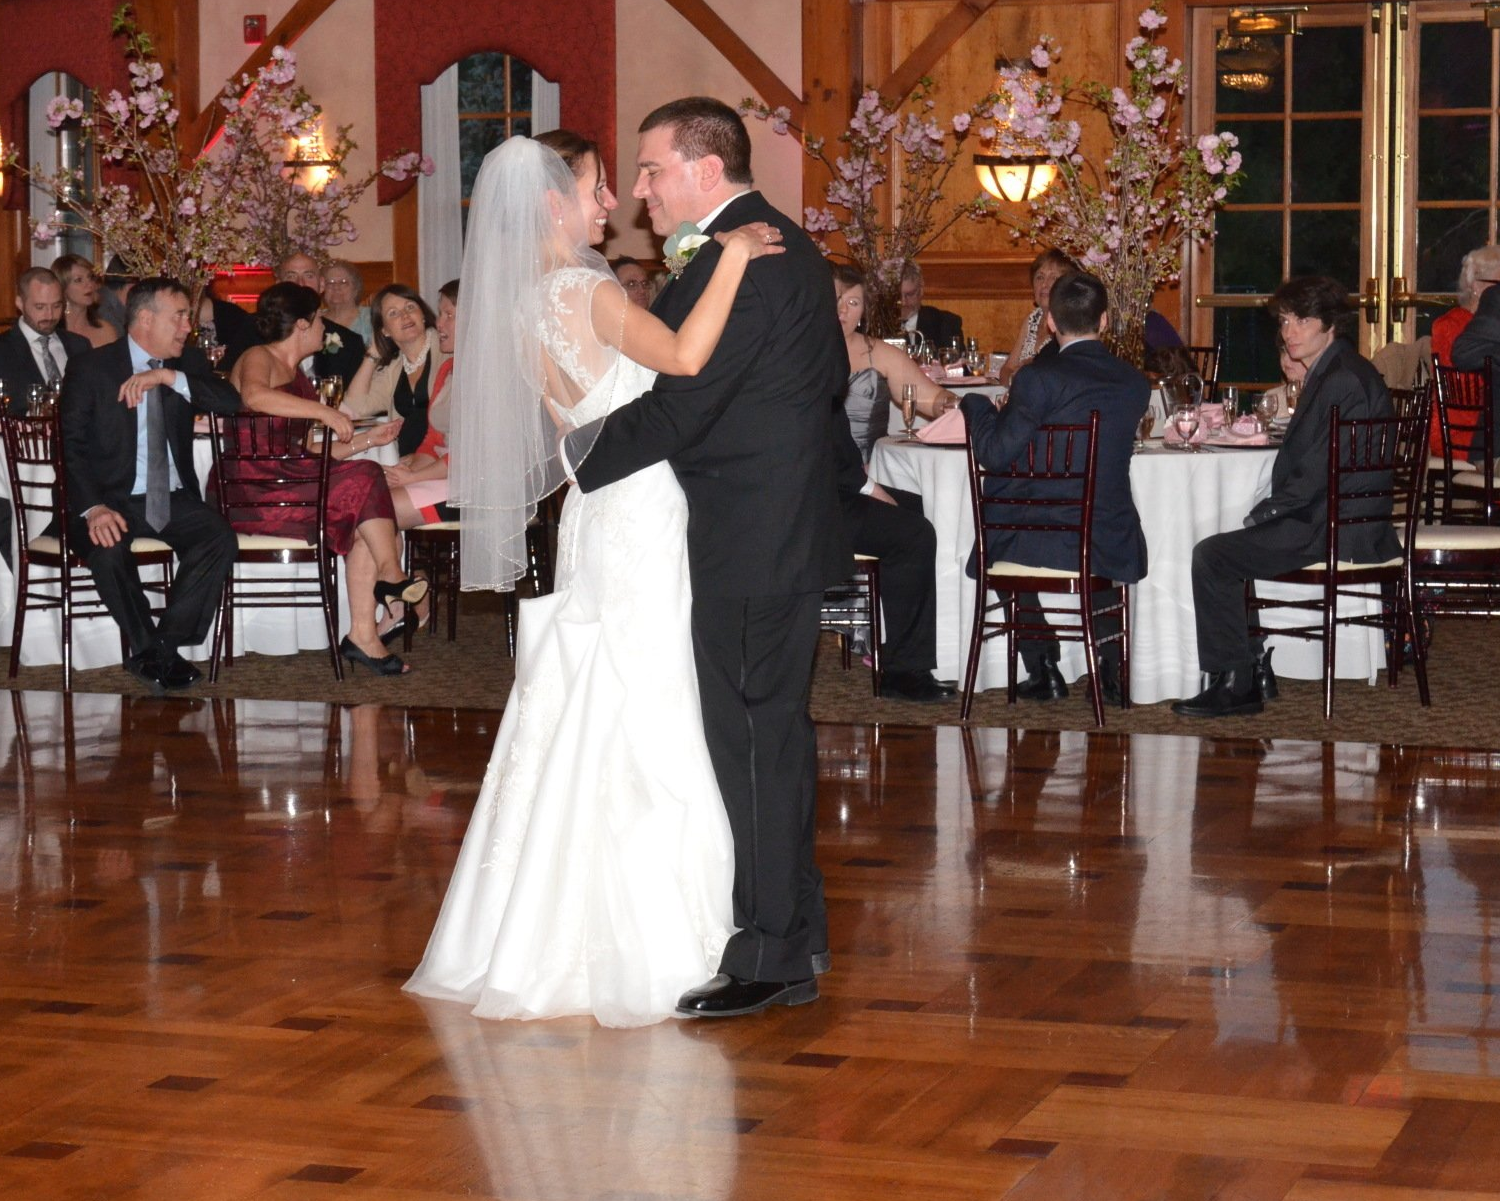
(408, 622)
(409, 590)
(391, 665)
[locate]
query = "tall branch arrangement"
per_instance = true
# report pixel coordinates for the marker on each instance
(881, 242)
(1129, 219)
(166, 209)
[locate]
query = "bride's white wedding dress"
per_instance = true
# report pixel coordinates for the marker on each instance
(596, 872)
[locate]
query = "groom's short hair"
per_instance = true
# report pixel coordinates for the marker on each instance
(702, 126)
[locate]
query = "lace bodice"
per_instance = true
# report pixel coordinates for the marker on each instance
(595, 376)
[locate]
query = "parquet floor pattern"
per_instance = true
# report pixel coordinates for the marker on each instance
(1065, 966)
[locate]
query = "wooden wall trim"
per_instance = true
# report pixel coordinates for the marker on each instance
(743, 59)
(959, 20)
(298, 20)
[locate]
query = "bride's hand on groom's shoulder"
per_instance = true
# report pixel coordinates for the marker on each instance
(756, 239)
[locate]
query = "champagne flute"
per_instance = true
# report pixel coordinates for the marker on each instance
(214, 352)
(1293, 394)
(1148, 424)
(1185, 422)
(909, 410)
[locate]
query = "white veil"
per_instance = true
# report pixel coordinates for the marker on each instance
(525, 227)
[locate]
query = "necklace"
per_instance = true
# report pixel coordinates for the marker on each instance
(412, 366)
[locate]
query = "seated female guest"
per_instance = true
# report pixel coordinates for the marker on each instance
(1046, 269)
(342, 288)
(1480, 269)
(360, 522)
(877, 369)
(399, 369)
(81, 285)
(419, 483)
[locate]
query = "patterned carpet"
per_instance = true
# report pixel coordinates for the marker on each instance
(475, 672)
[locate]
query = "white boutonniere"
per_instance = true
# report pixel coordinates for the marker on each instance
(682, 246)
(332, 343)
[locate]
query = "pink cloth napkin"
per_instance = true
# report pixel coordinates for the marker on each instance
(1244, 432)
(948, 428)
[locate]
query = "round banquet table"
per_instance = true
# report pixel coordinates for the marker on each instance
(1182, 498)
(96, 640)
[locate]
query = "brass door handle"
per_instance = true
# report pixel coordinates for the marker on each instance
(1369, 300)
(1401, 299)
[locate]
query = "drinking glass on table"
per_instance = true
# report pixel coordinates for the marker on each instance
(213, 351)
(1148, 424)
(909, 410)
(974, 361)
(1185, 422)
(1293, 394)
(331, 390)
(953, 353)
(1265, 410)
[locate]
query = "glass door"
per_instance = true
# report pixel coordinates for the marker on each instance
(1369, 141)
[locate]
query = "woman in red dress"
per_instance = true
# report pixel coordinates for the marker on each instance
(360, 522)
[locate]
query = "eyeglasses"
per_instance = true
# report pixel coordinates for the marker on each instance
(636, 285)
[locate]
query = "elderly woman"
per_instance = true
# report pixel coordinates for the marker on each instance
(876, 369)
(1046, 269)
(400, 368)
(342, 288)
(81, 285)
(419, 483)
(1480, 269)
(360, 520)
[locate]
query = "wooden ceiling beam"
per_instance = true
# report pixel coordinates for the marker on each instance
(743, 59)
(957, 22)
(298, 20)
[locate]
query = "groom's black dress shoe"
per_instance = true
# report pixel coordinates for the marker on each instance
(918, 686)
(729, 996)
(1265, 678)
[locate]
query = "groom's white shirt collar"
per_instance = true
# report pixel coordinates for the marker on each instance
(714, 216)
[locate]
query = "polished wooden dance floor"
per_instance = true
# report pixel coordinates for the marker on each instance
(1065, 966)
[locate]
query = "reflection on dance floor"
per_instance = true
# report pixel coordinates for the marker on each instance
(1065, 965)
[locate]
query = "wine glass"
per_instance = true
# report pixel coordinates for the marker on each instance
(1185, 422)
(331, 390)
(953, 353)
(909, 410)
(1265, 410)
(1147, 425)
(213, 351)
(973, 360)
(1293, 394)
(916, 346)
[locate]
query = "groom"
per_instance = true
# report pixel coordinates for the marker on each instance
(749, 440)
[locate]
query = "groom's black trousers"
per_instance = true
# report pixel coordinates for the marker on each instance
(754, 658)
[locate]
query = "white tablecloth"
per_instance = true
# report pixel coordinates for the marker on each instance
(96, 641)
(1182, 498)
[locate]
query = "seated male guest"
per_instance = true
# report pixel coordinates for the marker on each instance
(1480, 340)
(344, 350)
(1288, 529)
(1066, 388)
(903, 540)
(127, 428)
(938, 326)
(36, 349)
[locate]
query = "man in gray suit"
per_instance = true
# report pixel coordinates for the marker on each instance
(1289, 528)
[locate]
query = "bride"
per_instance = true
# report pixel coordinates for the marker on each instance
(595, 876)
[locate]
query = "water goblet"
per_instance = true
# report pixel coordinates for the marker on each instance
(909, 410)
(953, 353)
(1185, 422)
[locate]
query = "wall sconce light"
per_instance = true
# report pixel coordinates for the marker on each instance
(1016, 179)
(308, 155)
(1271, 21)
(1028, 170)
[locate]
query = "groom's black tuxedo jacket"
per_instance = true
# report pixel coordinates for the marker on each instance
(749, 436)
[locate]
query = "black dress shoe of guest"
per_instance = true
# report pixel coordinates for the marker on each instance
(1228, 693)
(728, 996)
(918, 686)
(147, 668)
(1045, 685)
(177, 672)
(1108, 680)
(1265, 678)
(822, 963)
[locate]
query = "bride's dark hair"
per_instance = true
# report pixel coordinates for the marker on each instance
(573, 148)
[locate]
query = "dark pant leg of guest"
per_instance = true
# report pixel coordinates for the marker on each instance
(906, 546)
(1221, 565)
(1037, 652)
(205, 549)
(754, 658)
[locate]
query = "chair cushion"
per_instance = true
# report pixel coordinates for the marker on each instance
(271, 542)
(46, 544)
(1345, 565)
(1458, 537)
(1435, 463)
(444, 525)
(866, 558)
(1004, 568)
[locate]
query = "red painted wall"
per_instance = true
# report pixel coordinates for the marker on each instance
(572, 44)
